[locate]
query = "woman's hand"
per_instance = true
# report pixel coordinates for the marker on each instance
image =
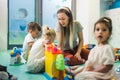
(77, 55)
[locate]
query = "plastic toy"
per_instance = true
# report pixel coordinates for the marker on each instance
(118, 69)
(60, 65)
(89, 46)
(116, 50)
(54, 63)
(51, 52)
(15, 57)
(117, 54)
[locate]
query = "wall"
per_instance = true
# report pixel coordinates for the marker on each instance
(114, 14)
(82, 12)
(88, 13)
(3, 25)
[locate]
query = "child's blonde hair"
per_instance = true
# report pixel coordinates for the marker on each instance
(48, 31)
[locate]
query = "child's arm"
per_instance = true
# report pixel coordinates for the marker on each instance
(103, 68)
(30, 44)
(88, 68)
(78, 70)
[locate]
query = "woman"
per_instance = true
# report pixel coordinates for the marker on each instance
(70, 37)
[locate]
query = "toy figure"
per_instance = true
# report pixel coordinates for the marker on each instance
(51, 52)
(60, 65)
(55, 63)
(15, 56)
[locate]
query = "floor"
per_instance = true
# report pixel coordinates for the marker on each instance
(20, 71)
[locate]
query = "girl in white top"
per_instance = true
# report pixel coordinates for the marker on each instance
(100, 63)
(31, 37)
(36, 59)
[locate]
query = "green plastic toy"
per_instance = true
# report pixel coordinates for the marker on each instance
(60, 64)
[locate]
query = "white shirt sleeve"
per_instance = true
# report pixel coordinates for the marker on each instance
(108, 56)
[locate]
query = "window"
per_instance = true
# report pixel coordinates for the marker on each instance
(20, 13)
(50, 8)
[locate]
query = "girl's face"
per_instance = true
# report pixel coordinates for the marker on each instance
(48, 39)
(101, 33)
(63, 19)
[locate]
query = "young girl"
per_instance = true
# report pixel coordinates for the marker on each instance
(36, 58)
(31, 37)
(99, 65)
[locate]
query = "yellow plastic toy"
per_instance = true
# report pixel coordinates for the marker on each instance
(51, 52)
(54, 64)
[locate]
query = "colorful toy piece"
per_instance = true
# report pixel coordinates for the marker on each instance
(15, 57)
(117, 54)
(51, 52)
(54, 63)
(60, 65)
(89, 46)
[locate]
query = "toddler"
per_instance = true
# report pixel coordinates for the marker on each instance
(100, 63)
(33, 31)
(36, 60)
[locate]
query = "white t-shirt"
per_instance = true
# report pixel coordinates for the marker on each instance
(99, 55)
(26, 47)
(36, 57)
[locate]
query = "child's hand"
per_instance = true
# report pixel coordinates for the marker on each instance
(18, 55)
(88, 68)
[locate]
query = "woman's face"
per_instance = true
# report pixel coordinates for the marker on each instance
(63, 19)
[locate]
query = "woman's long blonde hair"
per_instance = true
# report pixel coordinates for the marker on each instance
(68, 12)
